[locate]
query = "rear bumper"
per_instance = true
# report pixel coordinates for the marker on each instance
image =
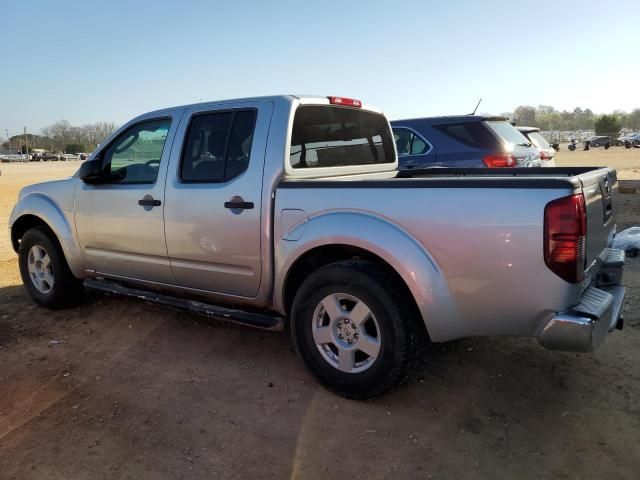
(584, 327)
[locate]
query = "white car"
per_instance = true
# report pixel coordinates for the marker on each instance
(16, 157)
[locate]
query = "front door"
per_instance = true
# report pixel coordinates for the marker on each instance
(120, 222)
(214, 199)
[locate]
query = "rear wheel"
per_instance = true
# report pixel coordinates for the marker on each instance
(44, 270)
(352, 331)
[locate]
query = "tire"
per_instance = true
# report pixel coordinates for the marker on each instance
(44, 270)
(388, 333)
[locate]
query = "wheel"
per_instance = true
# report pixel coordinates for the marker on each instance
(44, 270)
(352, 330)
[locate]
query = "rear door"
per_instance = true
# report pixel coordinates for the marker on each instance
(214, 197)
(414, 151)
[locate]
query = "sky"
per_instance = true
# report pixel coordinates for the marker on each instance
(87, 61)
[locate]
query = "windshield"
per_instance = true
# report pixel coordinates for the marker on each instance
(326, 136)
(538, 140)
(507, 133)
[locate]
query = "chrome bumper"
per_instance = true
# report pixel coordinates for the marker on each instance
(584, 327)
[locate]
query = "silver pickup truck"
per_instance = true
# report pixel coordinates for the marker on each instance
(289, 210)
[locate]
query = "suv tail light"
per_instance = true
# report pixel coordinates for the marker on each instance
(544, 155)
(499, 160)
(565, 235)
(347, 102)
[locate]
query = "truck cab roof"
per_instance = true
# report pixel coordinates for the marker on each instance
(284, 98)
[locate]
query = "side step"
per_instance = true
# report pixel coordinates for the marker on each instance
(250, 319)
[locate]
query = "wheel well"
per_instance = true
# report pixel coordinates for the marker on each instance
(25, 223)
(321, 256)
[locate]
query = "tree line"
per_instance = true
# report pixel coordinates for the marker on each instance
(62, 137)
(548, 118)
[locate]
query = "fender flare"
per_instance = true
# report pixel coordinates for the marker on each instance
(44, 208)
(383, 238)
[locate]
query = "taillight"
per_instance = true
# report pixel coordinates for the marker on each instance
(565, 231)
(544, 155)
(347, 102)
(499, 160)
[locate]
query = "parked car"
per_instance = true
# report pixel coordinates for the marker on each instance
(320, 227)
(48, 156)
(632, 140)
(462, 141)
(14, 157)
(68, 156)
(547, 152)
(601, 141)
(618, 141)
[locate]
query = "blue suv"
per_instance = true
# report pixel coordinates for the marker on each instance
(464, 141)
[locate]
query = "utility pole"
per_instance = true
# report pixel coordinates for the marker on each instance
(26, 142)
(8, 140)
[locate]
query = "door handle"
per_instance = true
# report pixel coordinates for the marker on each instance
(148, 201)
(239, 205)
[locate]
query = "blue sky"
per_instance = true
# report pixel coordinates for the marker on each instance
(87, 61)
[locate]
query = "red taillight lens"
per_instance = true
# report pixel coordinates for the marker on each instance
(347, 102)
(499, 160)
(565, 233)
(544, 155)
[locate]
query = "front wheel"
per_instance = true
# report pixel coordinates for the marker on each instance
(44, 270)
(352, 330)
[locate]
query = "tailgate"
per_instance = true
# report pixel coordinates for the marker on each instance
(599, 187)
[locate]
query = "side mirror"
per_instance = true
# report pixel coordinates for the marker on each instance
(91, 171)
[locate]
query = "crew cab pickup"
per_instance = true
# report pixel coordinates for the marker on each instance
(291, 208)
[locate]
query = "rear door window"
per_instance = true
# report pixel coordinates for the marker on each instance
(474, 134)
(408, 143)
(331, 136)
(217, 146)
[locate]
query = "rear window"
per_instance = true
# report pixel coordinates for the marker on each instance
(325, 136)
(473, 134)
(538, 140)
(507, 132)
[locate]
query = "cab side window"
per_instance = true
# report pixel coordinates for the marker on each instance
(217, 146)
(135, 155)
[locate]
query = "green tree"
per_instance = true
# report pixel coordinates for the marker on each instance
(74, 148)
(525, 115)
(633, 119)
(608, 125)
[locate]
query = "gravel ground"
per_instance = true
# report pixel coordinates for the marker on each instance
(119, 389)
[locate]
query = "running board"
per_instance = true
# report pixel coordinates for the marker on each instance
(250, 319)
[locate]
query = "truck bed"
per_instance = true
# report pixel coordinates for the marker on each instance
(497, 172)
(597, 183)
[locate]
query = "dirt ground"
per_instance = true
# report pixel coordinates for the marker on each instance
(121, 389)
